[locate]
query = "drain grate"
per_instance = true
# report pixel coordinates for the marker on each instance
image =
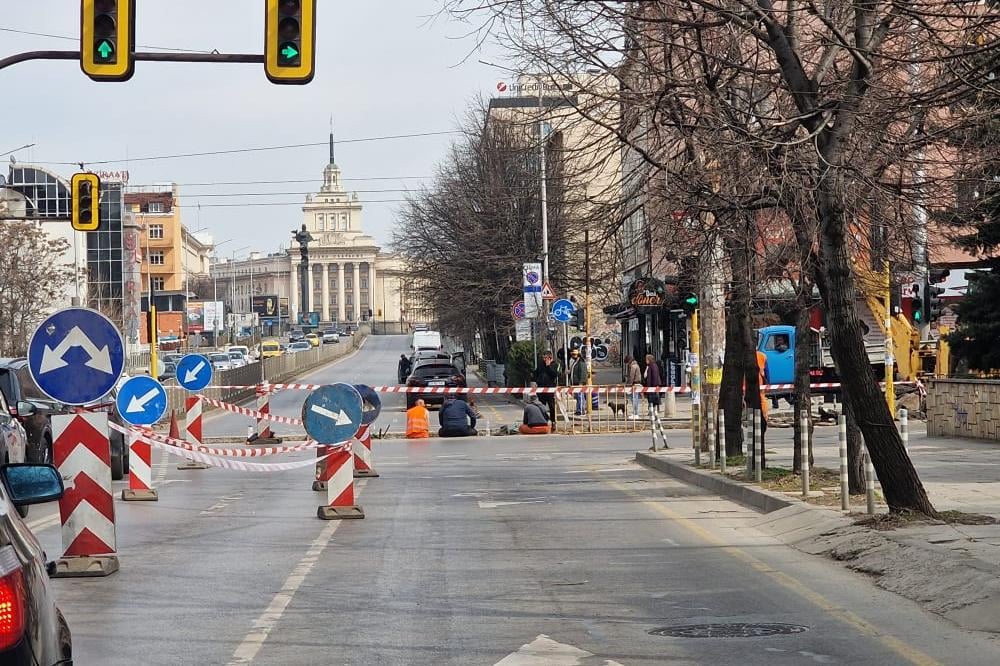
(730, 630)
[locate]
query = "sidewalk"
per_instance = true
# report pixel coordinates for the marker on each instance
(951, 568)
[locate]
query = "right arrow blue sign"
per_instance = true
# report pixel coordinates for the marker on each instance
(332, 414)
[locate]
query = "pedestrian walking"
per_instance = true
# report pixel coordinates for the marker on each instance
(651, 378)
(634, 379)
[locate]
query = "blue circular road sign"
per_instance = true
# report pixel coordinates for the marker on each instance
(194, 372)
(563, 309)
(371, 403)
(142, 400)
(76, 356)
(333, 413)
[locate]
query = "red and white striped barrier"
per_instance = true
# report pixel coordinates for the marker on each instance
(140, 471)
(81, 451)
(264, 412)
(364, 461)
(192, 429)
(147, 435)
(338, 476)
(252, 413)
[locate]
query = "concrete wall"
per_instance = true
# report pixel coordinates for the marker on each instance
(963, 408)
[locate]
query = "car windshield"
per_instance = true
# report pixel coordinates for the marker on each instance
(237, 356)
(219, 358)
(435, 370)
(300, 345)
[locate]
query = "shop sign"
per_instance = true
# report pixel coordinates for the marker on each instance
(647, 293)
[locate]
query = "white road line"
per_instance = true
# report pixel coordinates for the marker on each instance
(268, 620)
(543, 651)
(40, 524)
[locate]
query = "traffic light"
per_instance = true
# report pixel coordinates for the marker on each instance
(916, 303)
(107, 39)
(579, 321)
(290, 37)
(689, 302)
(86, 190)
(933, 293)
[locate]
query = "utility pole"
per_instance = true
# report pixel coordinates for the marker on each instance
(588, 346)
(890, 388)
(695, 381)
(543, 139)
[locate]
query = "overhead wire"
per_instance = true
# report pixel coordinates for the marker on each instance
(77, 39)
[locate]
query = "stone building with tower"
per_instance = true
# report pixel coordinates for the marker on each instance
(349, 278)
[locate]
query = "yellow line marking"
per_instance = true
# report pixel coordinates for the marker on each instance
(911, 654)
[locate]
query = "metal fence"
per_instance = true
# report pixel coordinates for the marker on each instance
(277, 370)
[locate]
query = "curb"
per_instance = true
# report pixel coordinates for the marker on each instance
(762, 500)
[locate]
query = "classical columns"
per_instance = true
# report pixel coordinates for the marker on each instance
(326, 292)
(341, 317)
(357, 291)
(371, 285)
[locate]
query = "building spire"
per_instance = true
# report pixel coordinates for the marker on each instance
(332, 160)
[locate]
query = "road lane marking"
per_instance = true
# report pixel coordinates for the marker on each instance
(543, 651)
(268, 620)
(493, 505)
(40, 524)
(849, 618)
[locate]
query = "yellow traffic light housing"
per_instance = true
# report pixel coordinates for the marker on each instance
(107, 39)
(86, 191)
(289, 41)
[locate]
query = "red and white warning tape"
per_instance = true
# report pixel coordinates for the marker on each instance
(256, 452)
(252, 413)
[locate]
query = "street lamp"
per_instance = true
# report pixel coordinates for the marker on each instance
(215, 293)
(232, 306)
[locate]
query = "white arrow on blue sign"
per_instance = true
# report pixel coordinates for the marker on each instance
(333, 413)
(142, 401)
(562, 310)
(76, 356)
(194, 372)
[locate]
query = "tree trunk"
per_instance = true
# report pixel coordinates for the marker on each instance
(900, 482)
(855, 463)
(803, 362)
(733, 371)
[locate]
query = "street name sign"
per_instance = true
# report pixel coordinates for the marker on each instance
(194, 372)
(76, 356)
(333, 413)
(142, 401)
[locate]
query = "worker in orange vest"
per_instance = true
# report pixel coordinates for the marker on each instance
(418, 421)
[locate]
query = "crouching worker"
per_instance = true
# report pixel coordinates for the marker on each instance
(418, 421)
(536, 417)
(456, 418)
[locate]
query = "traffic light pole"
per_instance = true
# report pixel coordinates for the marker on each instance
(890, 388)
(141, 56)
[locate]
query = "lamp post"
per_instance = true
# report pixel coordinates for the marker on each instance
(232, 306)
(215, 294)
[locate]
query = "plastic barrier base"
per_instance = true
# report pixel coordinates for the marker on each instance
(129, 495)
(319, 485)
(190, 464)
(340, 512)
(365, 474)
(85, 566)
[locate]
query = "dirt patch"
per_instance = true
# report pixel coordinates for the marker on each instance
(891, 521)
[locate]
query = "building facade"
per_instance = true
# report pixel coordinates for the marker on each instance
(349, 278)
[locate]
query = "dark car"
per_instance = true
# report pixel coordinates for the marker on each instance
(296, 335)
(32, 408)
(433, 374)
(33, 630)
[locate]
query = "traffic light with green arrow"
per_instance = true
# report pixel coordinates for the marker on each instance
(107, 39)
(689, 302)
(290, 35)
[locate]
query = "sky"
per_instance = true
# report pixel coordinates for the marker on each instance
(383, 68)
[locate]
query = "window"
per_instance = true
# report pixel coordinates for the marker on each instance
(156, 258)
(777, 342)
(156, 231)
(155, 207)
(320, 224)
(158, 283)
(343, 221)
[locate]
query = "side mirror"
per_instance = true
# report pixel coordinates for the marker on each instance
(31, 484)
(25, 408)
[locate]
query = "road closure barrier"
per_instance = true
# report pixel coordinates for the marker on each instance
(81, 451)
(140, 471)
(336, 471)
(364, 461)
(252, 413)
(192, 429)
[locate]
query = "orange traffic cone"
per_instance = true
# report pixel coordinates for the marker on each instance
(175, 431)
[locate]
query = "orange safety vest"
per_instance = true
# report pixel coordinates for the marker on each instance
(761, 380)
(418, 424)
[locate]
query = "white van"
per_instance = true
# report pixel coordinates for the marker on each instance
(425, 340)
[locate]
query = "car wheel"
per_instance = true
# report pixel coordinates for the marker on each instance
(65, 639)
(47, 449)
(411, 401)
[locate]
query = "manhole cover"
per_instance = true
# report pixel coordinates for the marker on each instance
(730, 630)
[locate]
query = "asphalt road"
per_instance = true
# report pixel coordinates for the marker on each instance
(517, 551)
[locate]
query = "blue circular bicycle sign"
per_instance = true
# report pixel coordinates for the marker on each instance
(562, 310)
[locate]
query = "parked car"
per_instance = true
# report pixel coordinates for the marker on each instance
(296, 335)
(169, 370)
(297, 347)
(313, 339)
(221, 361)
(270, 349)
(433, 374)
(32, 628)
(30, 407)
(237, 359)
(13, 444)
(170, 357)
(331, 337)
